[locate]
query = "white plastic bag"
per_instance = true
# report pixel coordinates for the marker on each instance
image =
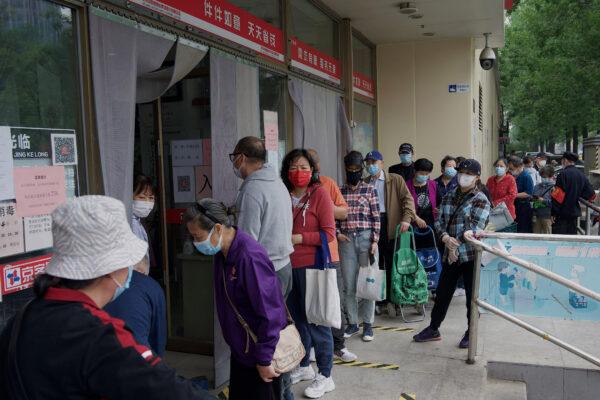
(323, 298)
(371, 284)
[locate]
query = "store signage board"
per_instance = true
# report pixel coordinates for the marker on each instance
(20, 275)
(224, 20)
(311, 60)
(363, 85)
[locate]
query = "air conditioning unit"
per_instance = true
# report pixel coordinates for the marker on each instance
(407, 8)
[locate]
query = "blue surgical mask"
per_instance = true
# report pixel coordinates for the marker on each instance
(205, 247)
(373, 169)
(548, 180)
(123, 287)
(450, 172)
(405, 158)
(500, 171)
(421, 178)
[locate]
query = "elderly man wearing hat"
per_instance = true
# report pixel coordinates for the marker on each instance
(465, 209)
(396, 207)
(406, 168)
(62, 345)
(571, 184)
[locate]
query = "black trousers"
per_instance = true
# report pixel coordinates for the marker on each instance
(564, 226)
(524, 216)
(246, 384)
(386, 253)
(447, 286)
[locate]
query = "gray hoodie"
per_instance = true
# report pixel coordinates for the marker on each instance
(265, 213)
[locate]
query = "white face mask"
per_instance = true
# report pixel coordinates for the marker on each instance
(465, 180)
(542, 163)
(142, 208)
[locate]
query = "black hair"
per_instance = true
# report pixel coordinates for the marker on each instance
(547, 171)
(460, 159)
(253, 148)
(500, 159)
(43, 282)
(289, 159)
(354, 158)
(423, 164)
(515, 161)
(527, 160)
(209, 212)
(142, 182)
(445, 161)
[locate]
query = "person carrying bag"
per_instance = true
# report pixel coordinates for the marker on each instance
(371, 283)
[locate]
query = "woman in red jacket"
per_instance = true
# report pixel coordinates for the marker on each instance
(313, 213)
(503, 187)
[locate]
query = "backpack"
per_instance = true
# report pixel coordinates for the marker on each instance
(409, 279)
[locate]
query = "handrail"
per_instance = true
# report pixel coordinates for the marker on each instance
(588, 217)
(589, 204)
(476, 302)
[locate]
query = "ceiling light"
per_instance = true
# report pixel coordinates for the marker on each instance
(415, 16)
(407, 8)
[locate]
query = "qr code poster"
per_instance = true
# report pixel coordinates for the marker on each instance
(64, 149)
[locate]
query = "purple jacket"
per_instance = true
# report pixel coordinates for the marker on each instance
(432, 189)
(254, 289)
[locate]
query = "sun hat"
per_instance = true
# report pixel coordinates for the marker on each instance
(92, 238)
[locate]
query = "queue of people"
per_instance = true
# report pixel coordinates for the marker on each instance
(284, 225)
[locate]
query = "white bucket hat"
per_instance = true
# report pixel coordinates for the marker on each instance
(92, 238)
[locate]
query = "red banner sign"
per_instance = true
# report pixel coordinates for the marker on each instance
(224, 20)
(20, 275)
(363, 85)
(315, 62)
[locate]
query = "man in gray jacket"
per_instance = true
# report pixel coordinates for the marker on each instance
(264, 208)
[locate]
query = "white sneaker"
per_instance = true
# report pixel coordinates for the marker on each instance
(319, 387)
(345, 355)
(302, 374)
(312, 356)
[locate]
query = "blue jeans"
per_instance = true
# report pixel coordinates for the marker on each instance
(353, 255)
(312, 335)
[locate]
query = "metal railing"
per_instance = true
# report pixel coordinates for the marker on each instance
(476, 302)
(589, 207)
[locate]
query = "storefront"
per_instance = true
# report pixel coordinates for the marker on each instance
(164, 88)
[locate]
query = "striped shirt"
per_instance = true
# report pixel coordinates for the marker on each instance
(363, 210)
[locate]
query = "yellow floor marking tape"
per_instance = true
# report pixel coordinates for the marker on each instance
(392, 329)
(408, 396)
(360, 364)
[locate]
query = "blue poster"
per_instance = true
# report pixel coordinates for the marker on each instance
(517, 290)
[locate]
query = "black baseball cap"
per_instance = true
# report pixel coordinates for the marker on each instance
(470, 165)
(541, 154)
(406, 148)
(568, 155)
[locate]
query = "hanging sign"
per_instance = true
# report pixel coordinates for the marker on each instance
(224, 20)
(313, 61)
(20, 275)
(363, 85)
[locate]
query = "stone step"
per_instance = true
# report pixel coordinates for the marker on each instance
(499, 389)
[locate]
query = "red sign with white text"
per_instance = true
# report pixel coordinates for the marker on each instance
(313, 61)
(224, 20)
(20, 275)
(363, 85)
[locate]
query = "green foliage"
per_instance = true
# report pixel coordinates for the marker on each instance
(550, 69)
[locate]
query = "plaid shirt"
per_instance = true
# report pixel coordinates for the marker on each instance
(472, 215)
(363, 210)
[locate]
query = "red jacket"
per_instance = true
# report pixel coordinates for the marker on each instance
(309, 220)
(503, 191)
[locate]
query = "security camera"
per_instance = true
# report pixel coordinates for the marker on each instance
(487, 58)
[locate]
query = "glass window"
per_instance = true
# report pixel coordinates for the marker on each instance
(363, 133)
(39, 92)
(272, 97)
(362, 57)
(313, 27)
(267, 10)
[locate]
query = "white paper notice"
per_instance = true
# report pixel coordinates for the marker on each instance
(186, 153)
(7, 187)
(271, 130)
(38, 232)
(11, 230)
(184, 185)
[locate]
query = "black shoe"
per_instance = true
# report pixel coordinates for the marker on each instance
(427, 335)
(464, 342)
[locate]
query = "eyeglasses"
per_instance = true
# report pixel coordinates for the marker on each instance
(233, 156)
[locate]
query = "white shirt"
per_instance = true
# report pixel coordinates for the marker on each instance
(380, 186)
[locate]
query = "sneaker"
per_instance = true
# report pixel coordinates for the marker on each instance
(367, 333)
(391, 309)
(345, 355)
(302, 374)
(319, 387)
(351, 330)
(464, 342)
(312, 357)
(427, 335)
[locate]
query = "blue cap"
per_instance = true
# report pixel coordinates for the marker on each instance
(374, 155)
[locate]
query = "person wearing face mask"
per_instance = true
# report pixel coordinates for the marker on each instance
(65, 336)
(313, 213)
(142, 206)
(540, 161)
(530, 168)
(447, 181)
(424, 193)
(503, 187)
(406, 168)
(247, 291)
(465, 209)
(524, 181)
(396, 207)
(542, 202)
(358, 236)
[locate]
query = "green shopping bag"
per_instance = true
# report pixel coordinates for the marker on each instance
(409, 279)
